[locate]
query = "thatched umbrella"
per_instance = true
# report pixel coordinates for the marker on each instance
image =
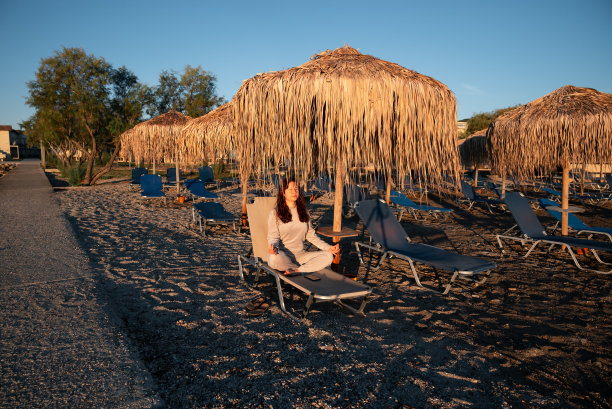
(473, 151)
(210, 134)
(344, 109)
(571, 124)
(156, 138)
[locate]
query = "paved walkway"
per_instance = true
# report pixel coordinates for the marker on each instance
(59, 344)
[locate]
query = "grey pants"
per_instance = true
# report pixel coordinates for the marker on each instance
(308, 261)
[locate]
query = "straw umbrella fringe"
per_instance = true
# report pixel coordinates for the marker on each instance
(473, 152)
(569, 125)
(156, 138)
(343, 109)
(209, 135)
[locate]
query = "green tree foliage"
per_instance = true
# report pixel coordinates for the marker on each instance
(193, 94)
(82, 105)
(483, 119)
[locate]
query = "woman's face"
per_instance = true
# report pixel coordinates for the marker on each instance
(292, 192)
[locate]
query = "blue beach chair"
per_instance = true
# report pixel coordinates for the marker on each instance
(136, 174)
(471, 197)
(532, 231)
(392, 241)
(574, 223)
(197, 190)
(212, 213)
(151, 188)
(402, 200)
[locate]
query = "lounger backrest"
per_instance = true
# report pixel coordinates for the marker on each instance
(573, 221)
(211, 210)
(171, 175)
(523, 214)
(468, 190)
(401, 199)
(353, 194)
(151, 183)
(206, 174)
(258, 213)
(137, 173)
(381, 223)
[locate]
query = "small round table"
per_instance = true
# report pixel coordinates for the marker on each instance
(328, 231)
(570, 209)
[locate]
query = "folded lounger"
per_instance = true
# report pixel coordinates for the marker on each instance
(532, 231)
(136, 174)
(210, 213)
(331, 286)
(151, 187)
(574, 223)
(391, 240)
(402, 200)
(197, 190)
(472, 197)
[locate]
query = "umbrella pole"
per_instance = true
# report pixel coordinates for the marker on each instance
(244, 202)
(337, 226)
(388, 194)
(565, 199)
(178, 172)
(154, 165)
(476, 177)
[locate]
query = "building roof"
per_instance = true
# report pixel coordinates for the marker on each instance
(6, 128)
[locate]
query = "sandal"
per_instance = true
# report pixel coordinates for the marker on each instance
(255, 303)
(263, 307)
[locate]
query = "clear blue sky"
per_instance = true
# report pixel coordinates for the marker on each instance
(491, 54)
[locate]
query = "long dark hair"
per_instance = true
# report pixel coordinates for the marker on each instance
(282, 210)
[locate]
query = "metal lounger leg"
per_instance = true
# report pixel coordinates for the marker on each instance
(448, 286)
(531, 249)
(309, 303)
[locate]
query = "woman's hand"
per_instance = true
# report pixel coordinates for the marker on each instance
(335, 249)
(272, 249)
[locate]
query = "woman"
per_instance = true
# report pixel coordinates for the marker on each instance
(288, 226)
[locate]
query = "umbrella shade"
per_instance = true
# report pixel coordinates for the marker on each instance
(209, 135)
(569, 125)
(154, 139)
(473, 150)
(344, 109)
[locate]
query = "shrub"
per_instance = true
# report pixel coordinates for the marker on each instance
(74, 173)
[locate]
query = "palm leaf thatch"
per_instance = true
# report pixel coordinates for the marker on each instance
(156, 138)
(209, 135)
(344, 109)
(473, 150)
(569, 125)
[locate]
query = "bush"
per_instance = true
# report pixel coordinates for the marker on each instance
(103, 159)
(74, 173)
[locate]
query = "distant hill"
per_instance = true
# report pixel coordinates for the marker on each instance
(482, 120)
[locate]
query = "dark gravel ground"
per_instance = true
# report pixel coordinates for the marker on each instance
(536, 334)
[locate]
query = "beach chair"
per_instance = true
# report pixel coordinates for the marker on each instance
(391, 240)
(331, 286)
(207, 176)
(405, 203)
(532, 231)
(151, 188)
(472, 198)
(197, 190)
(136, 174)
(574, 223)
(556, 195)
(171, 177)
(352, 194)
(212, 213)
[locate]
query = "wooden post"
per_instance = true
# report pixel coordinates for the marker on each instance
(244, 201)
(476, 178)
(338, 197)
(582, 172)
(388, 194)
(154, 165)
(178, 172)
(565, 198)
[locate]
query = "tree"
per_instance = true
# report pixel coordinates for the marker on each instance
(193, 94)
(82, 104)
(483, 119)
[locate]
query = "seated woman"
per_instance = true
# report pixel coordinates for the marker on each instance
(288, 226)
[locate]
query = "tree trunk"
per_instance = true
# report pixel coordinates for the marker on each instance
(43, 159)
(108, 166)
(565, 198)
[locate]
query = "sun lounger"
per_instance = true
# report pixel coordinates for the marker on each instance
(197, 190)
(212, 213)
(207, 176)
(574, 223)
(471, 197)
(151, 188)
(136, 174)
(532, 231)
(392, 241)
(556, 195)
(171, 177)
(405, 203)
(332, 287)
